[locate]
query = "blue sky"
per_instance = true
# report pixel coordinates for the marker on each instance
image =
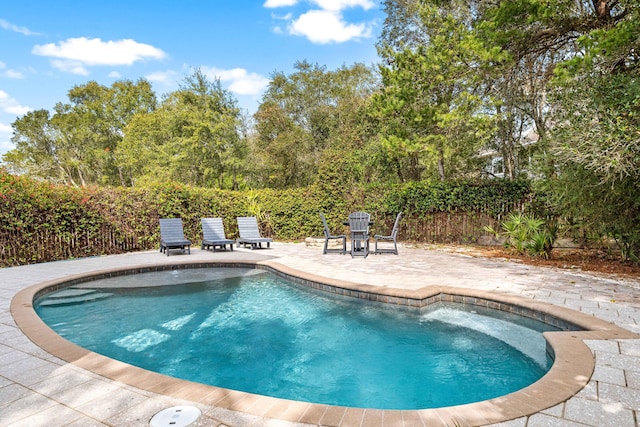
(47, 47)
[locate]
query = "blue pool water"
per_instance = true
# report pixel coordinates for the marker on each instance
(249, 330)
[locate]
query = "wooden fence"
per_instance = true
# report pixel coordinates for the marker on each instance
(19, 247)
(26, 247)
(445, 227)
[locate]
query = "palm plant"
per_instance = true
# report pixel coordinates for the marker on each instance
(527, 234)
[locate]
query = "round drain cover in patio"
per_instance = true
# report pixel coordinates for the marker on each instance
(176, 416)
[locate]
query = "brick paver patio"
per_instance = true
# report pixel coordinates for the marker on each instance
(40, 389)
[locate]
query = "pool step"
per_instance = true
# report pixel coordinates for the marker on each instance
(71, 292)
(74, 296)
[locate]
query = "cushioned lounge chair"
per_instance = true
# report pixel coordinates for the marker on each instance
(359, 231)
(250, 233)
(213, 235)
(328, 236)
(391, 238)
(172, 236)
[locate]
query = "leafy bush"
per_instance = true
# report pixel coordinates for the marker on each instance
(627, 241)
(527, 234)
(492, 196)
(43, 222)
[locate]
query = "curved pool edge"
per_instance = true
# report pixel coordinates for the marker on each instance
(571, 370)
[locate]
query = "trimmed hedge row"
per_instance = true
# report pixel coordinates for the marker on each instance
(41, 222)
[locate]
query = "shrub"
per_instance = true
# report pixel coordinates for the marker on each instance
(527, 234)
(42, 222)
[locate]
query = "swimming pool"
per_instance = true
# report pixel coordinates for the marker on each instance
(380, 356)
(571, 371)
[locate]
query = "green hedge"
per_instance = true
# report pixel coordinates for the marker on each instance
(42, 222)
(493, 197)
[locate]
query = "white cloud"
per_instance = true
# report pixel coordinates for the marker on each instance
(13, 74)
(73, 55)
(167, 78)
(326, 24)
(114, 75)
(238, 80)
(279, 3)
(73, 67)
(11, 106)
(322, 26)
(286, 17)
(338, 5)
(333, 5)
(6, 132)
(6, 25)
(10, 73)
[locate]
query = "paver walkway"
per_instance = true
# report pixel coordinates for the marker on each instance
(38, 389)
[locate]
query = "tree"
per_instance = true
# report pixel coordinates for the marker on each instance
(38, 153)
(592, 157)
(596, 143)
(519, 91)
(145, 153)
(539, 37)
(193, 137)
(99, 115)
(303, 115)
(433, 114)
(534, 27)
(403, 28)
(76, 144)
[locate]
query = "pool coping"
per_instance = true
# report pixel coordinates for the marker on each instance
(571, 371)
